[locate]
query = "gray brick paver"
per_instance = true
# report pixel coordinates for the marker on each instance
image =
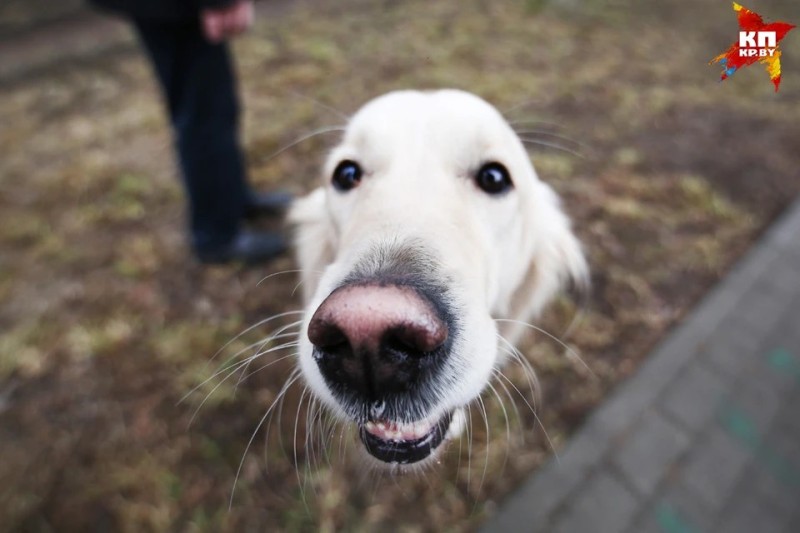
(650, 451)
(761, 309)
(604, 505)
(785, 275)
(767, 487)
(713, 468)
(758, 400)
(748, 513)
(683, 505)
(646, 525)
(732, 349)
(693, 399)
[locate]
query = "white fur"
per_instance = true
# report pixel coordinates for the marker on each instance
(502, 256)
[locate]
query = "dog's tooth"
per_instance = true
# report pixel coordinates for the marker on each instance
(381, 426)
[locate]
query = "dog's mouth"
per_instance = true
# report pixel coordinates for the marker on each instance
(404, 443)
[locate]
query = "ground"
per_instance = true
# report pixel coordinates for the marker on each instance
(107, 323)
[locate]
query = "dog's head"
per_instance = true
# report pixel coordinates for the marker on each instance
(430, 224)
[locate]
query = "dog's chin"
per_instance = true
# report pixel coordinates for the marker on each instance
(398, 444)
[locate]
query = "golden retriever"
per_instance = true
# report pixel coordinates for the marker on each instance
(429, 228)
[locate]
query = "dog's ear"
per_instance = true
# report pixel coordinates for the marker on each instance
(556, 258)
(314, 239)
(560, 247)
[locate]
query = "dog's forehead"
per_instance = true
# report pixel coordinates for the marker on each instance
(447, 116)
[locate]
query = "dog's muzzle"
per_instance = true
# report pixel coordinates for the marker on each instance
(379, 347)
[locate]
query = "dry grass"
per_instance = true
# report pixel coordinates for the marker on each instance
(106, 323)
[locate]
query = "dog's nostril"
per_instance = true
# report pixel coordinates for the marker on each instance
(415, 339)
(325, 335)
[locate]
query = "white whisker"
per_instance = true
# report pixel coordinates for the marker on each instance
(496, 372)
(569, 350)
(469, 445)
(251, 328)
(527, 369)
(557, 146)
(267, 365)
(553, 135)
(281, 445)
(535, 123)
(344, 116)
(283, 390)
(242, 364)
(508, 426)
(300, 484)
(522, 105)
(292, 271)
(536, 416)
(488, 440)
(307, 136)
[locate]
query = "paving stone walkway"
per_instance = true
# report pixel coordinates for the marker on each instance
(705, 438)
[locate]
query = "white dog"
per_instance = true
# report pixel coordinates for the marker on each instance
(430, 224)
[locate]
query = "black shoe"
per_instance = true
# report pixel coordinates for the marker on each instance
(248, 247)
(267, 204)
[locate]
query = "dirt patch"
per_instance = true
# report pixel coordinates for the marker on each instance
(752, 159)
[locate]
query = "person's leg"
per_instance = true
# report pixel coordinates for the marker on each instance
(200, 89)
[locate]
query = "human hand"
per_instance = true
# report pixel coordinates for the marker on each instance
(222, 23)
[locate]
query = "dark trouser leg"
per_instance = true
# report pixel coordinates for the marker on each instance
(199, 86)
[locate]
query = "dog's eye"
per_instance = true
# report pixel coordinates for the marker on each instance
(346, 176)
(493, 178)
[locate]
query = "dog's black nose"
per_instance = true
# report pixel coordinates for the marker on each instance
(376, 340)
